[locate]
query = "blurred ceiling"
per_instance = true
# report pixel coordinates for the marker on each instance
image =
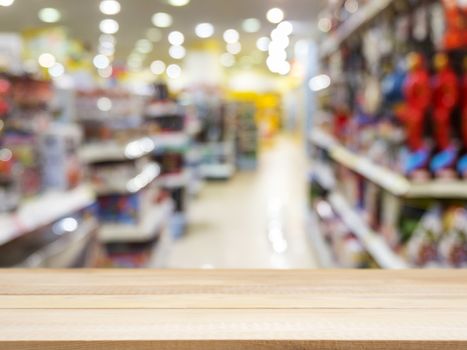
(82, 18)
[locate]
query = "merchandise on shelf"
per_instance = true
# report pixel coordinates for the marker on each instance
(70, 241)
(396, 135)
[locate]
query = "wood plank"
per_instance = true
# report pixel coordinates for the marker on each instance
(250, 309)
(238, 324)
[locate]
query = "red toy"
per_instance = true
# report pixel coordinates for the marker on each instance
(417, 101)
(445, 97)
(464, 104)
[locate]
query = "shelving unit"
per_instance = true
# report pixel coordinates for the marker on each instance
(151, 225)
(171, 140)
(373, 242)
(43, 210)
(386, 178)
(113, 151)
(352, 25)
(321, 248)
(149, 173)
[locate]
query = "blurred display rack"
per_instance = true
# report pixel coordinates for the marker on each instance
(149, 173)
(321, 248)
(217, 171)
(152, 224)
(113, 151)
(171, 140)
(43, 210)
(374, 243)
(174, 180)
(364, 15)
(387, 178)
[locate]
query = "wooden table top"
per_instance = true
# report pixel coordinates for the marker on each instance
(237, 309)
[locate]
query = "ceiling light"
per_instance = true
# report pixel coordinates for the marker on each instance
(144, 46)
(263, 43)
(324, 24)
(47, 60)
(106, 72)
(6, 3)
(109, 26)
(286, 28)
(204, 30)
(177, 52)
(178, 3)
(227, 59)
(101, 61)
(174, 71)
(107, 39)
(234, 48)
(351, 6)
(231, 36)
(154, 34)
(104, 104)
(157, 67)
(110, 7)
(251, 25)
(49, 15)
(275, 15)
(57, 70)
(319, 82)
(176, 38)
(162, 20)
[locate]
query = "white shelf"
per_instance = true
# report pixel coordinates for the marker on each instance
(174, 180)
(321, 248)
(152, 223)
(171, 140)
(386, 178)
(217, 171)
(113, 151)
(364, 15)
(150, 172)
(43, 210)
(374, 244)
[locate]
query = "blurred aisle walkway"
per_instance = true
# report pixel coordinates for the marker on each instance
(256, 220)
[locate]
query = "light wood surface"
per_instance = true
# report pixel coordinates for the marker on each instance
(209, 309)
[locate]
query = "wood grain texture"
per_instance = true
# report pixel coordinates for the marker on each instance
(172, 309)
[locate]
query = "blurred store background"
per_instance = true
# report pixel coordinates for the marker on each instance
(233, 134)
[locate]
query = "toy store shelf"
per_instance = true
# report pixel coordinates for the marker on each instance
(174, 180)
(320, 247)
(113, 151)
(151, 225)
(175, 140)
(217, 171)
(439, 189)
(374, 244)
(43, 210)
(134, 185)
(386, 178)
(352, 25)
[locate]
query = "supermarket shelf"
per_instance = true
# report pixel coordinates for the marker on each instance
(374, 243)
(43, 210)
(320, 247)
(175, 140)
(174, 180)
(217, 171)
(364, 15)
(134, 185)
(113, 151)
(153, 222)
(386, 178)
(324, 175)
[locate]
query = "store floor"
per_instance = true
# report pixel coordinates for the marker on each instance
(255, 220)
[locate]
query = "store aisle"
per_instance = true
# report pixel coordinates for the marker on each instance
(256, 220)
